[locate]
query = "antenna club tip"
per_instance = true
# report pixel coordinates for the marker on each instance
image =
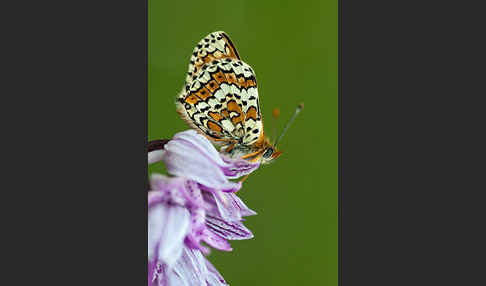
(276, 113)
(301, 106)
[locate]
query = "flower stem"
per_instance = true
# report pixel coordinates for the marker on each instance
(153, 146)
(156, 144)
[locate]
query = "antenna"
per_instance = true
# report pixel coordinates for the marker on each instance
(297, 111)
(276, 114)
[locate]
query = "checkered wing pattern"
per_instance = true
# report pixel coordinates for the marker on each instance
(220, 97)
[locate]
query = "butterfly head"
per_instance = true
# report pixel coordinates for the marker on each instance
(269, 154)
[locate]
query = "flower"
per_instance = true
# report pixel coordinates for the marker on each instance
(196, 204)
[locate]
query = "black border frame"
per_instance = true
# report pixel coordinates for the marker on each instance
(73, 63)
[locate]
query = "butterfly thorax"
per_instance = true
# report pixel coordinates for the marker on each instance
(262, 151)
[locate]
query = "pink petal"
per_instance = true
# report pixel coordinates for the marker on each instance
(229, 230)
(216, 241)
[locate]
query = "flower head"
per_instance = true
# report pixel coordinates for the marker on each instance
(196, 204)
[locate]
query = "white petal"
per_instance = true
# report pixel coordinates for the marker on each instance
(201, 143)
(185, 159)
(167, 228)
(155, 156)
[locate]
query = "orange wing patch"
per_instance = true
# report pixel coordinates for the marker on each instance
(241, 82)
(203, 60)
(192, 99)
(251, 113)
(250, 83)
(216, 116)
(237, 119)
(233, 106)
(212, 86)
(231, 78)
(225, 113)
(215, 127)
(219, 77)
(203, 93)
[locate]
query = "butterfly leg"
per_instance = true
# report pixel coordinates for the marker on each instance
(252, 157)
(230, 147)
(244, 178)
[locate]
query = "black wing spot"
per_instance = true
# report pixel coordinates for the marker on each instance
(205, 109)
(255, 131)
(244, 103)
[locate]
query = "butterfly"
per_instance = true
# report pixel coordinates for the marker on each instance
(220, 100)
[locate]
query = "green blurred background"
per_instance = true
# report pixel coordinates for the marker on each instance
(293, 48)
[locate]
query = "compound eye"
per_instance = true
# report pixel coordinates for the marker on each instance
(268, 153)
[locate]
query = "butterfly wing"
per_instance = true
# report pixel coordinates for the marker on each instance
(220, 98)
(216, 45)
